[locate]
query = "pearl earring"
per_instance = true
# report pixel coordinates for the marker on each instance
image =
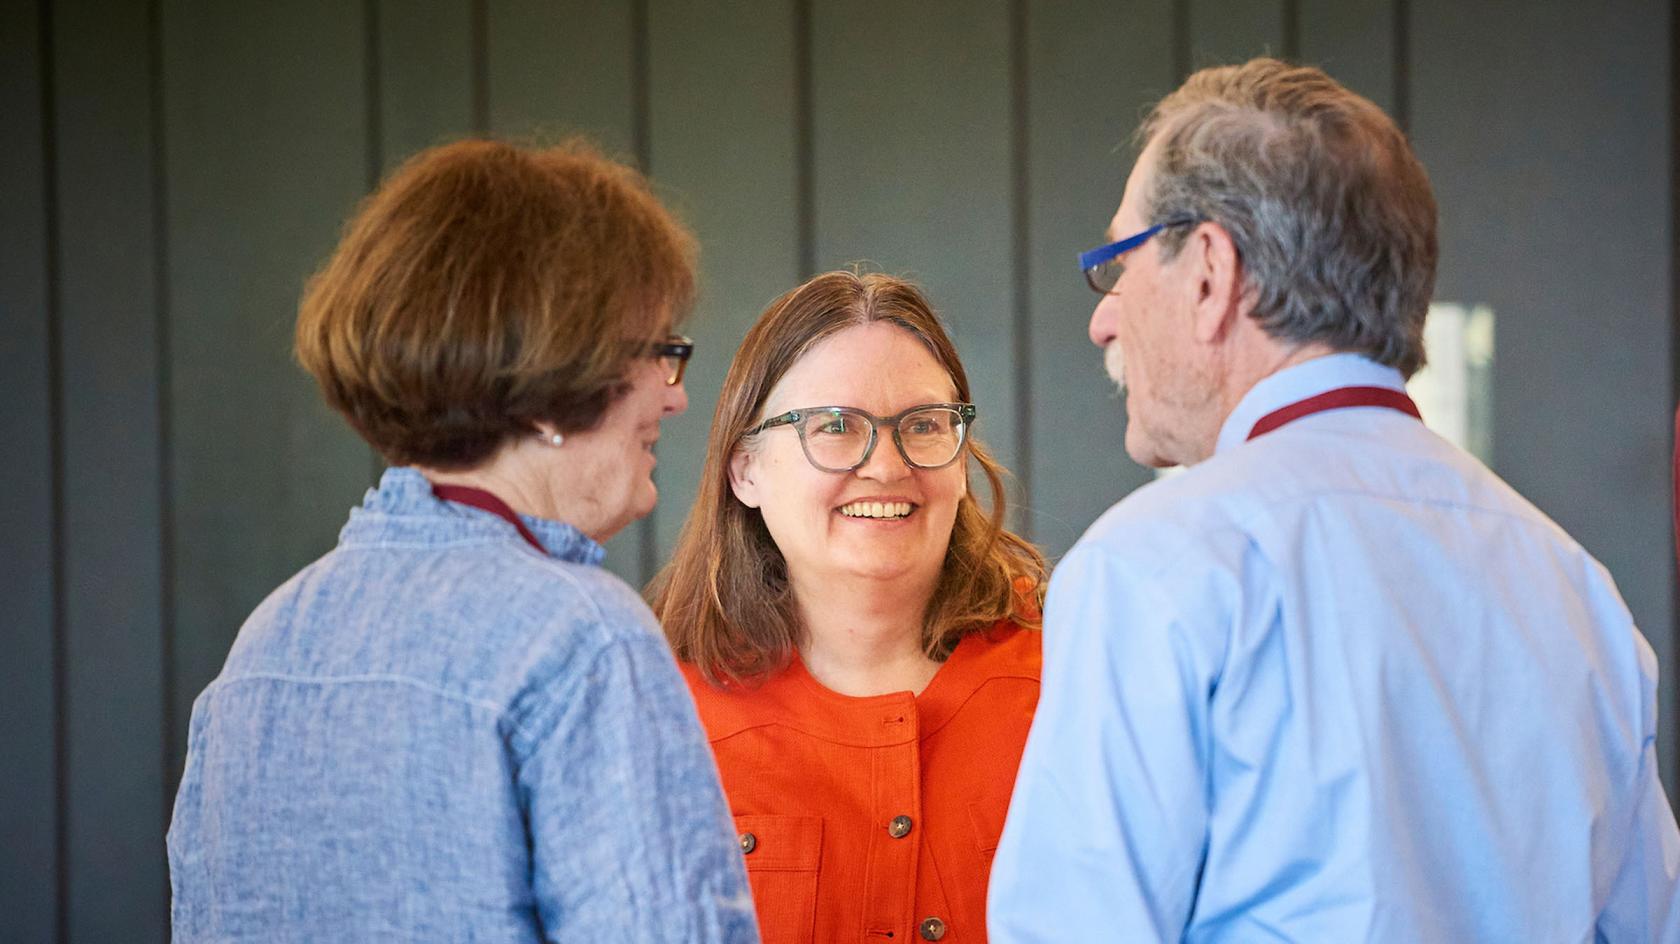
(556, 439)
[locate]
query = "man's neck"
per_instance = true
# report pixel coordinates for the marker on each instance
(1242, 363)
(1257, 361)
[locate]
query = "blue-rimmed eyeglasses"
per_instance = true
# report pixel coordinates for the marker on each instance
(842, 438)
(1102, 265)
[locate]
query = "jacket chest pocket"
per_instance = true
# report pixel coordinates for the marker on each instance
(986, 818)
(782, 855)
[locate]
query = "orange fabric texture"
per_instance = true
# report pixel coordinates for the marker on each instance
(863, 818)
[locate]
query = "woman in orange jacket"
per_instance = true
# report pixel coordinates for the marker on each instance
(860, 636)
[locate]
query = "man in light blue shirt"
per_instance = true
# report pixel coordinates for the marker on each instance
(1336, 682)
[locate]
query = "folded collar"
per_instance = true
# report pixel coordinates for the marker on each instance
(1293, 384)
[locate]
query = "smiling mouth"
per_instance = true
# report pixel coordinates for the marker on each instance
(873, 509)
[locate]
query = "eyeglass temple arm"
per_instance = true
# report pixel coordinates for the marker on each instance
(1091, 258)
(791, 416)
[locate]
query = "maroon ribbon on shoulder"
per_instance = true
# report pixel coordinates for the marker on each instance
(1336, 399)
(485, 501)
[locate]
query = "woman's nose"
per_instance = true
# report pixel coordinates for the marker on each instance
(676, 398)
(885, 464)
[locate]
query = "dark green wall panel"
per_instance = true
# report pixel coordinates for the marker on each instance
(266, 152)
(912, 111)
(424, 70)
(28, 787)
(1088, 89)
(1223, 32)
(1554, 186)
(561, 69)
(1354, 41)
(725, 154)
(426, 64)
(115, 791)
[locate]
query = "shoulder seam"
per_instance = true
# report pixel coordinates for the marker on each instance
(366, 678)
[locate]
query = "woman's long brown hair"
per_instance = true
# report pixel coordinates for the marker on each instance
(724, 598)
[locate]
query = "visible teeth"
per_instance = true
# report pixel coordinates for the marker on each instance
(875, 509)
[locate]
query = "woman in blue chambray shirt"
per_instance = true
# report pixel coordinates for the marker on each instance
(455, 725)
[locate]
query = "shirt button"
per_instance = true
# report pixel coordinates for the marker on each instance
(749, 842)
(932, 929)
(899, 827)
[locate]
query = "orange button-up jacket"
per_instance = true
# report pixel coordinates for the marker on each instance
(874, 819)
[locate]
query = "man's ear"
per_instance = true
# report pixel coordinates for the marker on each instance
(741, 477)
(1217, 272)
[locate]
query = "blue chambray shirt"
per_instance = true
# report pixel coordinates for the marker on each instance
(1339, 683)
(435, 733)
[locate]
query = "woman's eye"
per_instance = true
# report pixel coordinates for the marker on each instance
(833, 427)
(930, 426)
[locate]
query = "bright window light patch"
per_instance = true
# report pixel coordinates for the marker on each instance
(1454, 392)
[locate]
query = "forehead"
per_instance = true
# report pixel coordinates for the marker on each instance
(1129, 218)
(878, 367)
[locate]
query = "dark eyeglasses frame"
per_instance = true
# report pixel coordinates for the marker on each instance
(1093, 259)
(677, 347)
(967, 411)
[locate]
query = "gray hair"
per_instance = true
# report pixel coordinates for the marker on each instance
(1330, 211)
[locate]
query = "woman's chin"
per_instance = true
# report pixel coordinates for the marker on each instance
(635, 507)
(645, 500)
(891, 567)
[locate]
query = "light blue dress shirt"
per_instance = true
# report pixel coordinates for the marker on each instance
(438, 733)
(1339, 683)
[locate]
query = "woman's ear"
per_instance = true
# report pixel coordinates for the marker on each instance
(742, 466)
(548, 433)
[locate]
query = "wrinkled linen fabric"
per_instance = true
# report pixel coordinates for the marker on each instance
(437, 733)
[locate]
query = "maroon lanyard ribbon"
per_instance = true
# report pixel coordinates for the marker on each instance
(1335, 400)
(484, 501)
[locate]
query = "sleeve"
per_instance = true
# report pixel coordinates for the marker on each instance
(1644, 901)
(631, 839)
(1107, 827)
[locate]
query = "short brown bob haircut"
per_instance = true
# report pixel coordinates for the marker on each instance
(486, 287)
(724, 599)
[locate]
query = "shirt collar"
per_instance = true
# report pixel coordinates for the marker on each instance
(403, 509)
(792, 698)
(1299, 382)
